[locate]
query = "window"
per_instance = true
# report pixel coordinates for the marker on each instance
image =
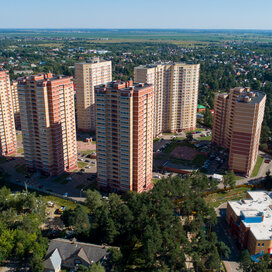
(259, 244)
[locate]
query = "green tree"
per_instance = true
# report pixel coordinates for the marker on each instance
(268, 181)
(245, 261)
(78, 218)
(97, 268)
(189, 136)
(93, 199)
(208, 118)
(229, 180)
(36, 263)
(223, 250)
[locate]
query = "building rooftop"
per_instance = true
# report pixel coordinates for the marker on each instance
(122, 86)
(250, 97)
(256, 213)
(153, 65)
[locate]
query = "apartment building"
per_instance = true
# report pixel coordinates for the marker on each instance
(237, 126)
(87, 75)
(175, 94)
(48, 123)
(250, 221)
(8, 142)
(124, 119)
(15, 102)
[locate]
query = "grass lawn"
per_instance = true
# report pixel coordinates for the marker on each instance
(257, 167)
(62, 178)
(154, 180)
(87, 152)
(20, 150)
(171, 147)
(155, 140)
(205, 138)
(60, 202)
(82, 164)
(217, 199)
(19, 137)
(21, 169)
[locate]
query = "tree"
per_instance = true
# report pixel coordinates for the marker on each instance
(36, 263)
(97, 268)
(229, 180)
(93, 268)
(93, 199)
(208, 118)
(268, 181)
(77, 218)
(245, 261)
(223, 250)
(189, 136)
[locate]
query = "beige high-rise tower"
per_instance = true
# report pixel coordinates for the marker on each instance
(87, 75)
(124, 113)
(48, 123)
(8, 143)
(175, 94)
(15, 101)
(237, 126)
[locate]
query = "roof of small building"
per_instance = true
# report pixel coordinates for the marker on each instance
(201, 106)
(52, 260)
(90, 252)
(258, 205)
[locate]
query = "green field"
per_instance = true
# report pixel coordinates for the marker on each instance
(257, 167)
(215, 200)
(82, 164)
(139, 35)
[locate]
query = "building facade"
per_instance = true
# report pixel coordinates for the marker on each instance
(250, 221)
(48, 123)
(237, 126)
(8, 141)
(15, 102)
(88, 75)
(175, 94)
(124, 118)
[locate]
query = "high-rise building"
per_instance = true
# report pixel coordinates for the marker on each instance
(124, 138)
(237, 126)
(175, 94)
(48, 123)
(8, 143)
(15, 102)
(87, 75)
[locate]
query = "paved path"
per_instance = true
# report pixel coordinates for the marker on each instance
(222, 231)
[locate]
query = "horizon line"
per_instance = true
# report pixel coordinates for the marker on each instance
(152, 28)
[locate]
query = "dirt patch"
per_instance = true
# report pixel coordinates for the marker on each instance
(184, 153)
(82, 146)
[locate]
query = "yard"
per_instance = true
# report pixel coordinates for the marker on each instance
(87, 152)
(82, 164)
(257, 167)
(215, 200)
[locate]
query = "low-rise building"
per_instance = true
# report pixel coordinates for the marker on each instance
(66, 254)
(250, 221)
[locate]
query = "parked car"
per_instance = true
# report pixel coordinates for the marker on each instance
(267, 161)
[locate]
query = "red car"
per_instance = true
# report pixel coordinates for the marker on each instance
(267, 161)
